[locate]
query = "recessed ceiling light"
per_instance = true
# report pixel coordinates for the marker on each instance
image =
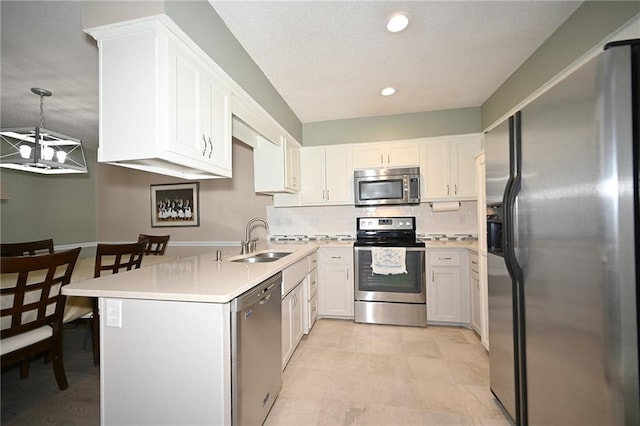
(398, 22)
(387, 91)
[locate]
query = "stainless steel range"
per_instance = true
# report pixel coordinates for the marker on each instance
(390, 282)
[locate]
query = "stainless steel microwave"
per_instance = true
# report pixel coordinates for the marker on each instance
(381, 187)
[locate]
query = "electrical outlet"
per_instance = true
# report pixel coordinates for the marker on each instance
(114, 313)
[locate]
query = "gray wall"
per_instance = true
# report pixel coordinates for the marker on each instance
(47, 206)
(590, 23)
(392, 127)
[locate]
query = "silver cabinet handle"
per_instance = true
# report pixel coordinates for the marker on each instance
(433, 277)
(455, 189)
(381, 159)
(323, 191)
(336, 257)
(388, 158)
(204, 151)
(211, 144)
(444, 258)
(347, 275)
(447, 189)
(327, 195)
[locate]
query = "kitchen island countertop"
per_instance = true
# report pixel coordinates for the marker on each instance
(192, 279)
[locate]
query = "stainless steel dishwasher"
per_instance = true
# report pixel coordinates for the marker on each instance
(256, 346)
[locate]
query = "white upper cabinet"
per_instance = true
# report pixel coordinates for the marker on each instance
(163, 106)
(448, 167)
(327, 176)
(277, 168)
(388, 154)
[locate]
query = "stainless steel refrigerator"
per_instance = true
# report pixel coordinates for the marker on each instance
(563, 236)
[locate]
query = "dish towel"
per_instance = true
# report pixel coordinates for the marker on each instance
(388, 260)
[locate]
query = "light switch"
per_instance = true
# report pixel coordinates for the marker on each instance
(114, 313)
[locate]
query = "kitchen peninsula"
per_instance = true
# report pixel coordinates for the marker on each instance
(165, 336)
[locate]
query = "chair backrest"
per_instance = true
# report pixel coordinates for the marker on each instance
(35, 299)
(28, 248)
(156, 244)
(115, 257)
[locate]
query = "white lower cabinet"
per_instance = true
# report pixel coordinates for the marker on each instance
(299, 303)
(335, 285)
(447, 291)
(292, 321)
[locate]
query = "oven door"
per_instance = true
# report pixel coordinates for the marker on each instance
(403, 288)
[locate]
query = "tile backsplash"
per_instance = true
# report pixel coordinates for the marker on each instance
(334, 220)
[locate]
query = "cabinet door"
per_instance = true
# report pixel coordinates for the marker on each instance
(287, 346)
(475, 302)
(338, 175)
(297, 315)
(199, 111)
(335, 287)
(312, 190)
(216, 118)
(368, 156)
(444, 294)
(401, 155)
(292, 164)
(185, 114)
(436, 183)
(463, 166)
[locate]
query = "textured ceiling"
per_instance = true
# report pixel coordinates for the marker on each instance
(329, 60)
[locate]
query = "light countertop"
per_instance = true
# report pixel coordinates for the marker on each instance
(191, 279)
(202, 279)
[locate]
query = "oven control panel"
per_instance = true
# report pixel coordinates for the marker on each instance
(386, 223)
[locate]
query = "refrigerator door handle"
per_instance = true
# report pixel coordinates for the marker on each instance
(513, 266)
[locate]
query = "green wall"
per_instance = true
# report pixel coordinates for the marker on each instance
(590, 24)
(38, 207)
(392, 127)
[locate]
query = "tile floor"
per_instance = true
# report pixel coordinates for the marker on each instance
(345, 373)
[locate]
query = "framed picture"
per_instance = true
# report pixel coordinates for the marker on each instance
(175, 205)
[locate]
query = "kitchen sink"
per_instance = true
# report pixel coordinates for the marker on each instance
(273, 254)
(269, 256)
(254, 259)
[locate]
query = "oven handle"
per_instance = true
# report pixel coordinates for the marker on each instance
(368, 248)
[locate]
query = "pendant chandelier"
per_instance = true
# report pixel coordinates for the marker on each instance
(39, 150)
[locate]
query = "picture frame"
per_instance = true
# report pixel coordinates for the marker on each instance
(175, 204)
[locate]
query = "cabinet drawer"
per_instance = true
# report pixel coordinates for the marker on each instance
(295, 273)
(313, 261)
(444, 258)
(313, 283)
(473, 262)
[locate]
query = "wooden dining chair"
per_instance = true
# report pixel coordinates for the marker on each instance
(32, 309)
(113, 258)
(27, 248)
(156, 244)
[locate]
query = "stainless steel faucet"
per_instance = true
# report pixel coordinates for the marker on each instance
(248, 245)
